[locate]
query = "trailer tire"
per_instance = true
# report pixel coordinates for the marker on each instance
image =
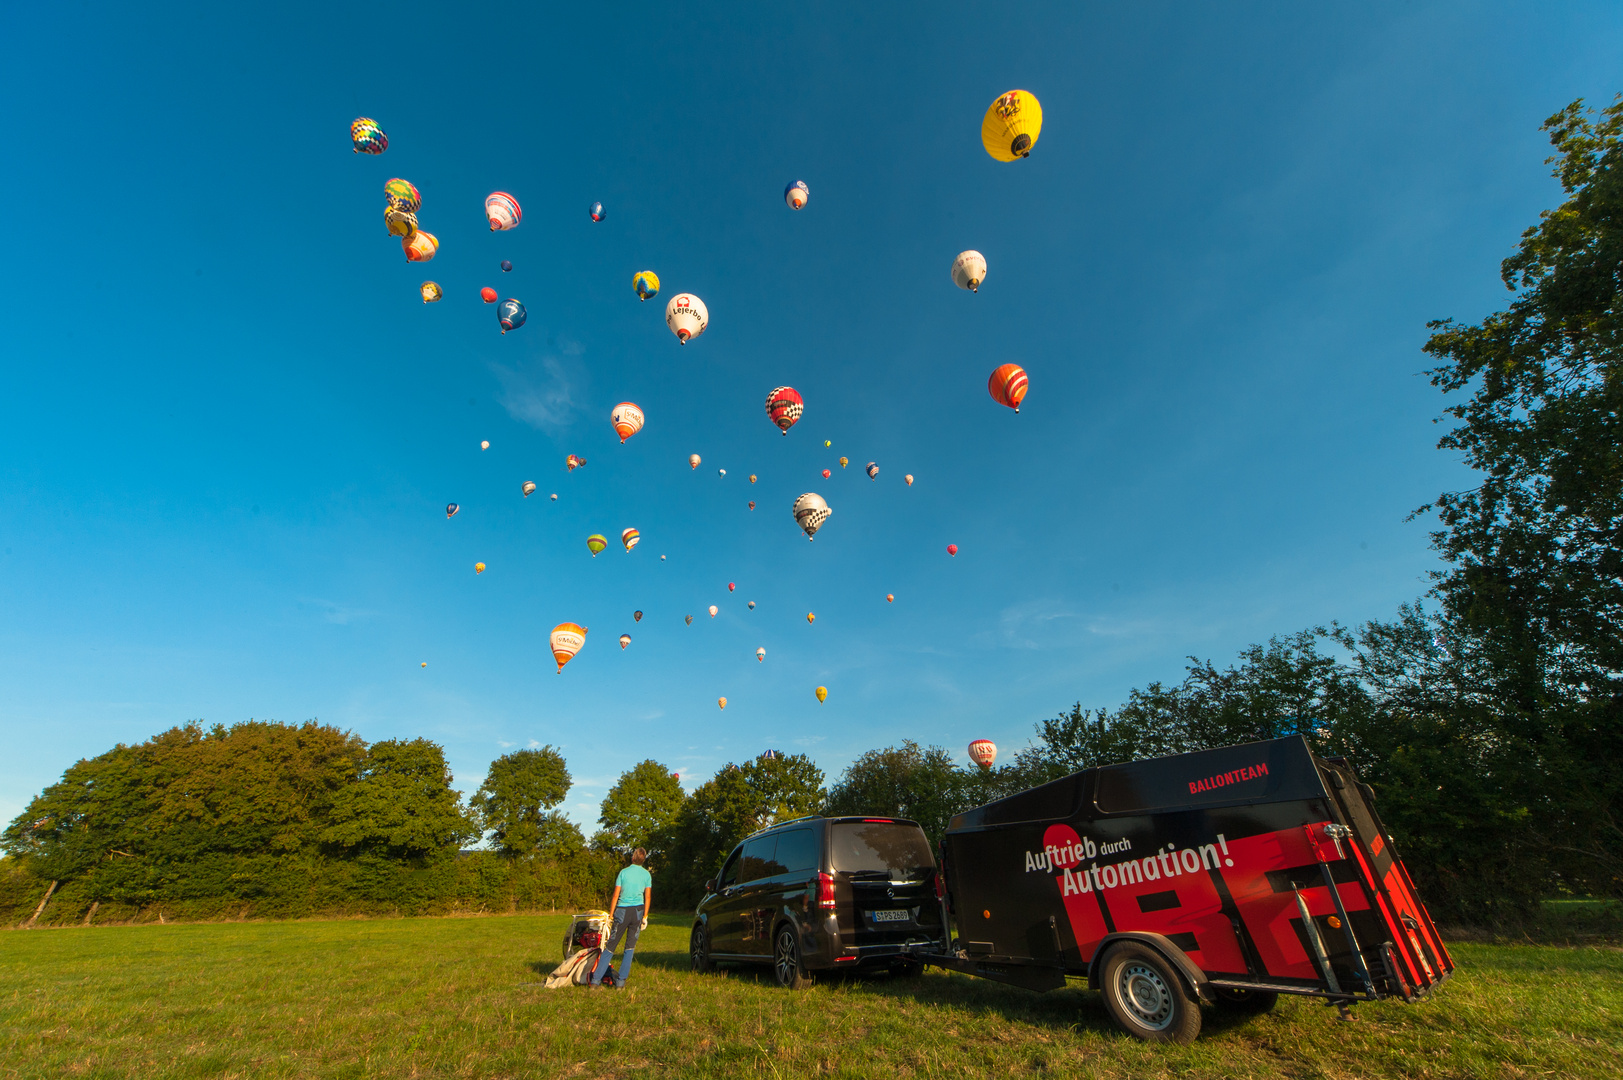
(1146, 995)
(1234, 1000)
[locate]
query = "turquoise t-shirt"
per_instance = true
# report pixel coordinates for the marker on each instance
(632, 881)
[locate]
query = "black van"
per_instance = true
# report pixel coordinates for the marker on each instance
(821, 893)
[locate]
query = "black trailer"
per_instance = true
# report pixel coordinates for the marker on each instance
(1227, 876)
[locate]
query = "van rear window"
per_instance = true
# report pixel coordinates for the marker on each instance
(899, 850)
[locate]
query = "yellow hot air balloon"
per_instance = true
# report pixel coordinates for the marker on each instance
(566, 640)
(1011, 125)
(721, 702)
(425, 663)
(478, 567)
(811, 616)
(822, 694)
(431, 292)
(646, 282)
(844, 462)
(596, 543)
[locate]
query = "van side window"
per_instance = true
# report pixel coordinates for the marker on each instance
(729, 873)
(797, 851)
(758, 859)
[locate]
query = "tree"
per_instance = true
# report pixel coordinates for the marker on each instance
(640, 809)
(518, 791)
(402, 805)
(907, 781)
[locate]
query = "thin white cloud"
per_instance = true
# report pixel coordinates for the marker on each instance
(542, 393)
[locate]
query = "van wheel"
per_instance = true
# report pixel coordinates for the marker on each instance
(699, 951)
(1146, 996)
(1246, 1001)
(786, 965)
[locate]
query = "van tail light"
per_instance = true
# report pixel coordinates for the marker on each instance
(825, 891)
(940, 889)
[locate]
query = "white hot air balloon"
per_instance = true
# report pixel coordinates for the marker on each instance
(528, 488)
(983, 752)
(713, 610)
(760, 654)
(693, 461)
(811, 510)
(687, 316)
(969, 270)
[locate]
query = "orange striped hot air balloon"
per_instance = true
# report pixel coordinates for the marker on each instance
(627, 420)
(566, 640)
(1008, 385)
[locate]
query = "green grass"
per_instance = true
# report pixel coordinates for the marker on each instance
(462, 998)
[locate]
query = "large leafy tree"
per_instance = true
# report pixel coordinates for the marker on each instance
(641, 807)
(906, 781)
(516, 796)
(401, 805)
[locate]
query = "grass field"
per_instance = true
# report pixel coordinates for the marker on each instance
(462, 998)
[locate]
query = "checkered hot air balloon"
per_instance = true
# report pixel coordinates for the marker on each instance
(811, 510)
(784, 406)
(367, 136)
(627, 420)
(402, 195)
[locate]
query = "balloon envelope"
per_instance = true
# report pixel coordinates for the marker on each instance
(873, 471)
(487, 294)
(478, 567)
(721, 702)
(983, 752)
(566, 640)
(811, 616)
(811, 510)
(528, 488)
(572, 462)
(713, 610)
(952, 549)
(687, 316)
(512, 315)
(796, 194)
(760, 654)
(629, 538)
(646, 282)
(502, 211)
(625, 639)
(506, 266)
(731, 586)
(827, 474)
(752, 605)
(689, 619)
(822, 694)
(890, 598)
(484, 444)
(403, 194)
(367, 136)
(431, 292)
(420, 247)
(596, 543)
(693, 461)
(1011, 125)
(1008, 385)
(401, 223)
(636, 616)
(597, 211)
(450, 510)
(844, 461)
(784, 407)
(969, 270)
(627, 420)
(909, 479)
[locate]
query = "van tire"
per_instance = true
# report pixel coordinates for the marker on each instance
(1249, 1002)
(699, 951)
(787, 966)
(1146, 995)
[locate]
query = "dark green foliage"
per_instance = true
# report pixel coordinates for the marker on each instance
(516, 795)
(401, 805)
(906, 781)
(641, 808)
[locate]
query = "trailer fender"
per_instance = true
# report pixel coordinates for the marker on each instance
(1194, 979)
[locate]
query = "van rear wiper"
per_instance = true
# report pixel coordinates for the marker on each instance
(868, 875)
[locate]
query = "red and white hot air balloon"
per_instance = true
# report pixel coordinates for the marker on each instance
(627, 420)
(784, 406)
(502, 211)
(566, 639)
(687, 317)
(983, 752)
(1008, 385)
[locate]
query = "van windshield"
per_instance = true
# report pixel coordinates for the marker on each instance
(900, 851)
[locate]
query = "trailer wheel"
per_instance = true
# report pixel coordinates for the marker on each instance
(1246, 1001)
(699, 951)
(1146, 996)
(786, 966)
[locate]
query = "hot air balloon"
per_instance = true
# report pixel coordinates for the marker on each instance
(421, 247)
(487, 294)
(752, 605)
(566, 640)
(827, 442)
(731, 586)
(721, 702)
(873, 471)
(676, 776)
(983, 752)
(784, 406)
(689, 620)
(844, 462)
(636, 616)
(398, 222)
(1011, 125)
(1008, 385)
(822, 694)
(687, 317)
(646, 282)
(760, 655)
(431, 292)
(478, 567)
(721, 472)
(629, 538)
(810, 512)
(952, 549)
(627, 420)
(752, 504)
(811, 616)
(827, 474)
(752, 478)
(403, 195)
(553, 496)
(625, 639)
(502, 211)
(512, 315)
(367, 136)
(528, 487)
(596, 211)
(890, 598)
(484, 444)
(450, 510)
(713, 610)
(596, 543)
(572, 462)
(693, 461)
(909, 479)
(425, 663)
(506, 266)
(796, 194)
(969, 270)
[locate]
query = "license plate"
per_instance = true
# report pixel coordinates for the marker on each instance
(890, 916)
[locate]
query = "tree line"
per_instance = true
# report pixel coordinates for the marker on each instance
(1487, 717)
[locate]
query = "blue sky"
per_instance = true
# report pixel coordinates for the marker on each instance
(230, 426)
